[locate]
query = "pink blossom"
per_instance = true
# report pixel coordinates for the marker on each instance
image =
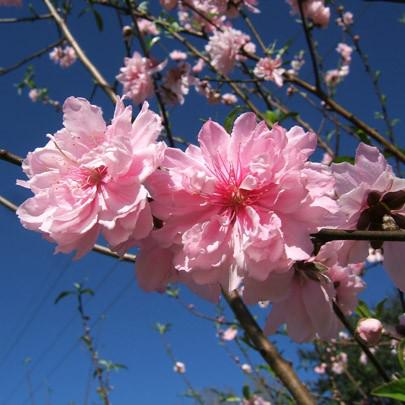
(229, 334)
(346, 20)
(246, 368)
(177, 55)
(314, 10)
(335, 76)
(303, 298)
(34, 95)
(136, 77)
(224, 46)
(339, 363)
(65, 56)
(199, 66)
(237, 207)
(88, 179)
(270, 69)
(370, 330)
(179, 367)
(372, 198)
(168, 4)
(327, 159)
(297, 63)
(176, 84)
(345, 52)
(375, 255)
(204, 88)
(321, 368)
(229, 98)
(147, 27)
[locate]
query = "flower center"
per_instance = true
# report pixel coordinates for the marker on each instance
(93, 177)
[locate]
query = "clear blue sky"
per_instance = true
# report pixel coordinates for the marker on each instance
(31, 276)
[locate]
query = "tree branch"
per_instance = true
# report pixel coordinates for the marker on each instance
(98, 77)
(278, 364)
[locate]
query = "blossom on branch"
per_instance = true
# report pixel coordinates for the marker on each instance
(136, 77)
(88, 179)
(270, 69)
(372, 198)
(237, 208)
(63, 56)
(224, 48)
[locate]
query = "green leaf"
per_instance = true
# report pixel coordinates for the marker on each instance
(231, 117)
(98, 18)
(341, 159)
(394, 389)
(363, 311)
(363, 136)
(87, 291)
(62, 295)
(400, 354)
(162, 328)
(246, 392)
(380, 308)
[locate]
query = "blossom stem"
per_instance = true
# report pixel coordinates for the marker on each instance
(98, 77)
(363, 346)
(270, 354)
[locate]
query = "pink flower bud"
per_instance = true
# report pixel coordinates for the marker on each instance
(179, 367)
(370, 330)
(229, 334)
(246, 368)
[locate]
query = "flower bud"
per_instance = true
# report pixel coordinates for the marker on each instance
(179, 367)
(370, 330)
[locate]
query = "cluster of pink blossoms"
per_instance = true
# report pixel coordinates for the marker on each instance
(235, 212)
(335, 76)
(63, 56)
(224, 48)
(136, 77)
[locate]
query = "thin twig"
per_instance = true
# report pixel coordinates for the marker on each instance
(311, 45)
(348, 116)
(326, 235)
(363, 346)
(270, 354)
(29, 58)
(98, 77)
(25, 19)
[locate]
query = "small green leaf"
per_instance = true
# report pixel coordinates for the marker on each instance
(380, 308)
(362, 310)
(341, 159)
(400, 354)
(246, 392)
(62, 295)
(162, 328)
(87, 291)
(394, 389)
(98, 18)
(231, 117)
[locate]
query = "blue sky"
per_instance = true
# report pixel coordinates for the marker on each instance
(31, 276)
